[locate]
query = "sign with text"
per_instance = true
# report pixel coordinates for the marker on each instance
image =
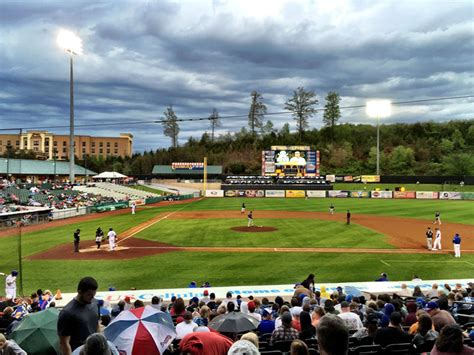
(381, 194)
(187, 166)
(295, 193)
(427, 195)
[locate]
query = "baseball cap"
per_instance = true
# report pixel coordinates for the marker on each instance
(431, 305)
(251, 306)
(206, 293)
(286, 318)
(344, 304)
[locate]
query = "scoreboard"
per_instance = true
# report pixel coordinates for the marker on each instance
(295, 160)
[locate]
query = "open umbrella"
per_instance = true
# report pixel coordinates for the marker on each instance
(37, 333)
(141, 330)
(234, 322)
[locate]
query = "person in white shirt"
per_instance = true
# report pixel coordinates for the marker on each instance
(351, 320)
(186, 326)
(133, 205)
(112, 237)
(251, 306)
(10, 285)
(437, 242)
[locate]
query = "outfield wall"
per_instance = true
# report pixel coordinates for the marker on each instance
(294, 192)
(271, 291)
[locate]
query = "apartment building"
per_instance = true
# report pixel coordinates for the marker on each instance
(48, 145)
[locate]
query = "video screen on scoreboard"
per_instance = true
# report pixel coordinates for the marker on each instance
(289, 161)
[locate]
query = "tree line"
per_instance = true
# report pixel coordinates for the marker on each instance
(423, 148)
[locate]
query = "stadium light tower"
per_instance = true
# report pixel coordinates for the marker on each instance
(378, 109)
(73, 45)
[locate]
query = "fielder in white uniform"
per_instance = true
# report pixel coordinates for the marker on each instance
(133, 206)
(112, 236)
(10, 285)
(437, 242)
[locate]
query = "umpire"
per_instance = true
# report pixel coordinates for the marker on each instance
(77, 239)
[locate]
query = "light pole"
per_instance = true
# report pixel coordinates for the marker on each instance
(73, 45)
(55, 151)
(378, 109)
(9, 152)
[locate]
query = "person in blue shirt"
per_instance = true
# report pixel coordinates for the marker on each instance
(457, 245)
(267, 325)
(383, 277)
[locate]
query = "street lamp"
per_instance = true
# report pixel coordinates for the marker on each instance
(73, 45)
(378, 109)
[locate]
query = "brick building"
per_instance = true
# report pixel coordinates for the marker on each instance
(46, 144)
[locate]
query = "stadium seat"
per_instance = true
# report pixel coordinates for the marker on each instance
(271, 352)
(365, 350)
(398, 349)
(282, 345)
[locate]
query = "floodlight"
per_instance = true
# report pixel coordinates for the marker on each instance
(379, 108)
(69, 42)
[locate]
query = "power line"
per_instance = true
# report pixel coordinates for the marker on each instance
(231, 116)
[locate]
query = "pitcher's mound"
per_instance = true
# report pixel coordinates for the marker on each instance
(254, 229)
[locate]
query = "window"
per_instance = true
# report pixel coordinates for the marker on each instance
(100, 150)
(9, 142)
(46, 142)
(17, 142)
(36, 143)
(83, 144)
(64, 143)
(101, 144)
(108, 144)
(35, 149)
(93, 151)
(0, 142)
(116, 145)
(108, 151)
(64, 150)
(116, 151)
(93, 144)
(83, 150)
(55, 143)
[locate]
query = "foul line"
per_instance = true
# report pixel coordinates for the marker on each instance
(430, 261)
(384, 262)
(151, 224)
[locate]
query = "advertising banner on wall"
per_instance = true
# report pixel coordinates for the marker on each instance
(254, 193)
(381, 194)
(316, 193)
(445, 195)
(214, 193)
(468, 195)
(360, 194)
(230, 193)
(331, 178)
(427, 195)
(338, 193)
(404, 194)
(348, 178)
(275, 193)
(295, 193)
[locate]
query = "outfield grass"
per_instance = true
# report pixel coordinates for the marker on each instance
(408, 187)
(291, 233)
(177, 269)
(451, 211)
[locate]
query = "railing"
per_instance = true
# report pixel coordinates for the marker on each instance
(71, 212)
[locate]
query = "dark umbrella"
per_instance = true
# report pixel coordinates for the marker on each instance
(37, 333)
(235, 322)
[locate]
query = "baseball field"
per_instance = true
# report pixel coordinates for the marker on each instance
(173, 243)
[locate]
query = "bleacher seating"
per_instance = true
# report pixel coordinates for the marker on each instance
(270, 180)
(115, 191)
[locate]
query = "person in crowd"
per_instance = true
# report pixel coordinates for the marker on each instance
(383, 277)
(351, 319)
(186, 326)
(316, 316)
(433, 292)
(10, 347)
(295, 313)
(199, 343)
(267, 325)
(203, 318)
(252, 307)
(243, 347)
(282, 310)
(118, 308)
(212, 301)
(329, 307)
(371, 326)
(440, 317)
(178, 308)
(393, 334)
(7, 317)
(205, 296)
(410, 318)
(156, 302)
(451, 342)
(308, 331)
(333, 335)
(96, 344)
(308, 283)
(388, 309)
(79, 318)
(285, 331)
(251, 337)
(425, 335)
(299, 347)
(404, 292)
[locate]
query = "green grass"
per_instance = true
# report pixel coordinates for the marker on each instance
(177, 269)
(290, 234)
(148, 189)
(451, 211)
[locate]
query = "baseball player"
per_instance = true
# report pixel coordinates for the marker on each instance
(77, 239)
(437, 218)
(348, 217)
(331, 208)
(112, 237)
(250, 219)
(133, 206)
(429, 238)
(437, 242)
(457, 245)
(10, 285)
(99, 235)
(242, 210)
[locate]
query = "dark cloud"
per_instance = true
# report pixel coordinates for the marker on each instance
(140, 57)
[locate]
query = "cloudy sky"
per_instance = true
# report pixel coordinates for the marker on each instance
(141, 56)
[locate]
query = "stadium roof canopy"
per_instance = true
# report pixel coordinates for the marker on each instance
(39, 167)
(168, 170)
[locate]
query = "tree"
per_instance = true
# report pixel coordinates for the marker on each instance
(215, 122)
(256, 112)
(401, 161)
(332, 113)
(171, 126)
(268, 128)
(301, 104)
